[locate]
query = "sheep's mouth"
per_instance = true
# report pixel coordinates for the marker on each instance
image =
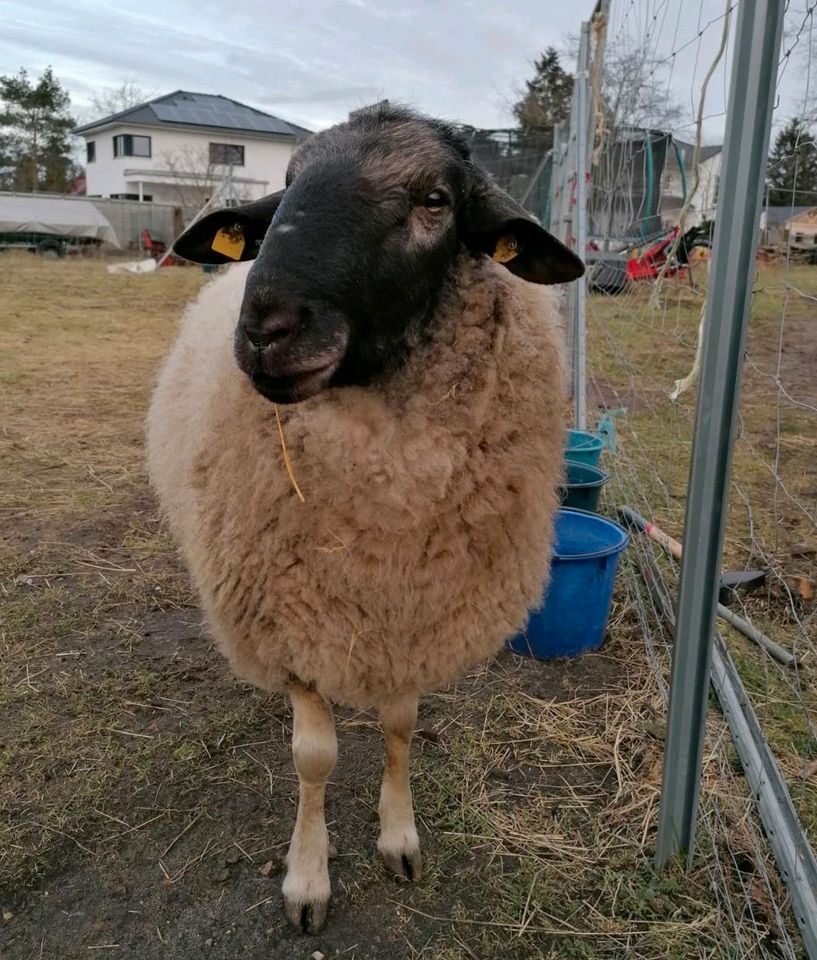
(294, 387)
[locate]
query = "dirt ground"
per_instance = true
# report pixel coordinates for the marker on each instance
(146, 797)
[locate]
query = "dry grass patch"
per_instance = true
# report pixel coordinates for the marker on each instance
(636, 354)
(78, 352)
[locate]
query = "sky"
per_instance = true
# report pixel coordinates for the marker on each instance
(313, 61)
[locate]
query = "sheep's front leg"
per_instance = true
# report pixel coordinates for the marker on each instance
(315, 750)
(398, 844)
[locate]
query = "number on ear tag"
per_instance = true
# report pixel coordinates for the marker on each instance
(506, 249)
(229, 241)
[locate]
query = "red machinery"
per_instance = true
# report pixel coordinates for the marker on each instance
(650, 262)
(154, 247)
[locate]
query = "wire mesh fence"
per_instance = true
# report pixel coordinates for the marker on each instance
(518, 161)
(130, 219)
(658, 107)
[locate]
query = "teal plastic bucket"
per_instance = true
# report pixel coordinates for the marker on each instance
(583, 447)
(582, 486)
(573, 616)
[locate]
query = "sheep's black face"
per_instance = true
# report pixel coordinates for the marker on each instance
(355, 251)
(348, 274)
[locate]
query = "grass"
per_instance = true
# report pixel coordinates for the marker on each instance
(141, 788)
(637, 352)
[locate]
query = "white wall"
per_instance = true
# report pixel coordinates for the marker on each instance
(704, 200)
(265, 162)
(802, 231)
(707, 196)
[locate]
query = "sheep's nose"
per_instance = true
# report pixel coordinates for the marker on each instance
(273, 332)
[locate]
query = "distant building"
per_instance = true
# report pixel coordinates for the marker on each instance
(642, 181)
(800, 230)
(777, 224)
(178, 148)
(679, 179)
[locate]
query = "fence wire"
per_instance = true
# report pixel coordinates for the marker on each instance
(653, 199)
(517, 161)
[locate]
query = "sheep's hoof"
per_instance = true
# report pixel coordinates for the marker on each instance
(306, 917)
(406, 864)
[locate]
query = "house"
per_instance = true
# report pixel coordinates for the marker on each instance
(678, 181)
(641, 182)
(784, 225)
(181, 147)
(800, 230)
(773, 220)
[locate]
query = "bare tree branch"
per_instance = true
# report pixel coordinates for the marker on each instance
(111, 100)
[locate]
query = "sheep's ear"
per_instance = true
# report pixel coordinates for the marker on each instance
(493, 223)
(229, 234)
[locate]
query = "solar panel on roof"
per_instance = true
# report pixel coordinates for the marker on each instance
(165, 111)
(202, 110)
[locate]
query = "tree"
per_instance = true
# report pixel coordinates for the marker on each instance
(632, 98)
(634, 91)
(116, 99)
(792, 176)
(800, 35)
(546, 100)
(7, 164)
(34, 127)
(110, 100)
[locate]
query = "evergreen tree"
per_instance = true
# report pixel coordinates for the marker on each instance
(34, 127)
(792, 174)
(546, 100)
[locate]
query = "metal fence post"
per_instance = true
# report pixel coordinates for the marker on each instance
(561, 139)
(555, 180)
(746, 141)
(582, 133)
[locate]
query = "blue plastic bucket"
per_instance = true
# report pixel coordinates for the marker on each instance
(583, 447)
(582, 486)
(573, 616)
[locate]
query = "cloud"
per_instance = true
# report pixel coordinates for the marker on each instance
(314, 61)
(320, 59)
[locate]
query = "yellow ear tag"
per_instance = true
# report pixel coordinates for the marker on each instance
(229, 241)
(506, 249)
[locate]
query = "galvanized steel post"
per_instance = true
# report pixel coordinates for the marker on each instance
(746, 141)
(580, 224)
(555, 180)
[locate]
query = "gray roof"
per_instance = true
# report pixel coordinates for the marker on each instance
(183, 108)
(689, 151)
(775, 216)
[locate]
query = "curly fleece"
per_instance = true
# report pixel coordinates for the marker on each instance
(425, 536)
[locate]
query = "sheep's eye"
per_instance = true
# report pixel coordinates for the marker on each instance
(436, 201)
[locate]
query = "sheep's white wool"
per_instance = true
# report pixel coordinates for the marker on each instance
(425, 535)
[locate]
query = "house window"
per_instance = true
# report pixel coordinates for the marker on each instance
(90, 151)
(227, 153)
(146, 198)
(129, 145)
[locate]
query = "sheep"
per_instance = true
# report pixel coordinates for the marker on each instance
(396, 317)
